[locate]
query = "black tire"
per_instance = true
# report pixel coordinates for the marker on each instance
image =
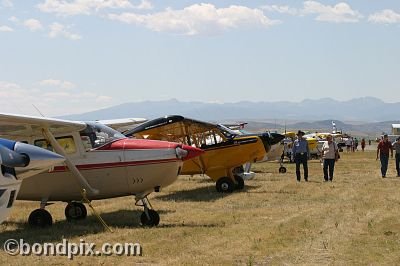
(153, 221)
(225, 185)
(239, 182)
(75, 211)
(282, 169)
(40, 218)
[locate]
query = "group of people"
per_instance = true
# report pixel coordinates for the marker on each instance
(352, 144)
(301, 152)
(330, 155)
(384, 147)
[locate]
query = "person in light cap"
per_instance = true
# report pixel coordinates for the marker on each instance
(301, 152)
(330, 155)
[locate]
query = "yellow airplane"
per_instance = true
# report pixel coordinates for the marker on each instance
(225, 151)
(312, 144)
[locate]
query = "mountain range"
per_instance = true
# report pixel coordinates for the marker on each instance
(315, 114)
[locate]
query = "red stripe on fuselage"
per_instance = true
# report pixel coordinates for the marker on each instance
(113, 165)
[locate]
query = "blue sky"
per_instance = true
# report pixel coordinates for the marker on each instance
(73, 56)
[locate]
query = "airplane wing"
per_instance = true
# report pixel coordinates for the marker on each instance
(18, 126)
(173, 128)
(13, 126)
(123, 124)
(290, 134)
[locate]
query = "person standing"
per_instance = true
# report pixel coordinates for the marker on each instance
(363, 144)
(301, 152)
(348, 144)
(355, 144)
(382, 152)
(330, 155)
(396, 147)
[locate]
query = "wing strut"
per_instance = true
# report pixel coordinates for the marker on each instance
(79, 177)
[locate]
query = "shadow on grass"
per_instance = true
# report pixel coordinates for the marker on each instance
(68, 229)
(208, 194)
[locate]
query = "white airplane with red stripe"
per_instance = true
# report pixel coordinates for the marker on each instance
(99, 161)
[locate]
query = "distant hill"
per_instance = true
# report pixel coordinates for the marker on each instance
(359, 129)
(360, 109)
(318, 113)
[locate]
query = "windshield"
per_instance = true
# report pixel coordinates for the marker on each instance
(96, 135)
(228, 133)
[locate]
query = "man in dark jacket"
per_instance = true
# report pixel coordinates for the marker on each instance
(382, 152)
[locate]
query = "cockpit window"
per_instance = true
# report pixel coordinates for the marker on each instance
(96, 135)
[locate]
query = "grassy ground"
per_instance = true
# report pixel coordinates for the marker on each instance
(275, 220)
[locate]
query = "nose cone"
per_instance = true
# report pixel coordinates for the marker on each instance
(186, 152)
(276, 138)
(11, 158)
(270, 139)
(39, 159)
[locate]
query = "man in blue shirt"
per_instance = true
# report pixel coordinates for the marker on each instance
(300, 152)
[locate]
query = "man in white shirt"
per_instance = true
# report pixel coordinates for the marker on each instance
(330, 155)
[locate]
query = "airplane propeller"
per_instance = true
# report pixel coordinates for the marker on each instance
(13, 159)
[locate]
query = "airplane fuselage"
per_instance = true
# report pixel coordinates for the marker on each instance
(135, 167)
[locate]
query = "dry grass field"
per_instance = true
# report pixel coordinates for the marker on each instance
(274, 221)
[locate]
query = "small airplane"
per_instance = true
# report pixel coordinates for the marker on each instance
(224, 151)
(315, 150)
(274, 154)
(98, 160)
(19, 161)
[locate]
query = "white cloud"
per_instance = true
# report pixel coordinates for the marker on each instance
(57, 83)
(87, 7)
(33, 24)
(144, 5)
(59, 30)
(340, 13)
(198, 19)
(7, 3)
(58, 102)
(103, 99)
(6, 29)
(281, 9)
(14, 19)
(386, 16)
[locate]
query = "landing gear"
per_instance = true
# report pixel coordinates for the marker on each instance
(239, 182)
(225, 185)
(40, 218)
(75, 211)
(149, 216)
(282, 169)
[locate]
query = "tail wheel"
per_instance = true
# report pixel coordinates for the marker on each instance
(240, 182)
(152, 220)
(225, 185)
(282, 170)
(40, 218)
(75, 211)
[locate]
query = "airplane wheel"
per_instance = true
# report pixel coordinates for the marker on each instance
(282, 169)
(225, 185)
(153, 221)
(40, 218)
(240, 182)
(75, 211)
